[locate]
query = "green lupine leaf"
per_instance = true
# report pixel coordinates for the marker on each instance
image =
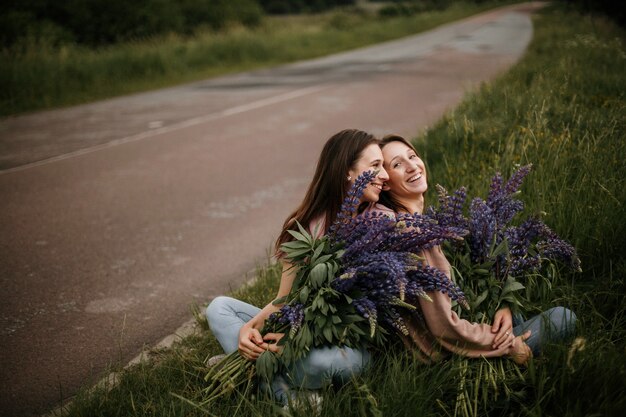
(328, 334)
(324, 309)
(478, 301)
(304, 294)
(301, 237)
(324, 259)
(294, 244)
(318, 251)
(511, 285)
(280, 300)
(501, 248)
(302, 229)
(287, 354)
(294, 254)
(318, 274)
(320, 321)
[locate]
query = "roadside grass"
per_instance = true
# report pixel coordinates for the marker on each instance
(39, 76)
(561, 108)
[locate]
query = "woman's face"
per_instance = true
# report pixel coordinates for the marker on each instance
(407, 173)
(371, 160)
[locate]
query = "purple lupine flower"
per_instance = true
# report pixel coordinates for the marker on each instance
(415, 233)
(534, 232)
(506, 210)
(365, 307)
(450, 210)
(393, 318)
(482, 228)
(520, 239)
(369, 233)
(351, 202)
(426, 278)
(291, 315)
(344, 282)
(457, 201)
(522, 265)
(495, 190)
(500, 197)
(515, 182)
(557, 249)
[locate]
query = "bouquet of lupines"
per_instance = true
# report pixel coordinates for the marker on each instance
(350, 288)
(496, 258)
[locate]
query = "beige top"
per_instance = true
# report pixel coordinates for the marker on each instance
(444, 328)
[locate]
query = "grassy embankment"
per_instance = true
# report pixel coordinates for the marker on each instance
(39, 76)
(561, 108)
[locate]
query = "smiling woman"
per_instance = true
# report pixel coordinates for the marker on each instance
(371, 159)
(237, 325)
(407, 175)
(442, 327)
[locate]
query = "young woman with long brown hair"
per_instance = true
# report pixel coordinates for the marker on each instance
(237, 325)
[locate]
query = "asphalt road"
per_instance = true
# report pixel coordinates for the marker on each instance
(117, 215)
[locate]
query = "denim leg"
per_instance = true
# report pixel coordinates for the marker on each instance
(226, 316)
(324, 365)
(319, 367)
(553, 325)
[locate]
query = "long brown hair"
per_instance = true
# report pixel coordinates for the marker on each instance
(386, 199)
(329, 184)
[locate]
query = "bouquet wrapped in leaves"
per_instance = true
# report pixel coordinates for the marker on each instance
(503, 261)
(497, 260)
(350, 288)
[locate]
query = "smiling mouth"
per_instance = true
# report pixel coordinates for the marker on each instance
(415, 178)
(378, 186)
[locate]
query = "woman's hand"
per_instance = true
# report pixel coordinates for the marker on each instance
(272, 340)
(251, 343)
(520, 352)
(503, 326)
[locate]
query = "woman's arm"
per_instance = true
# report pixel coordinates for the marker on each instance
(251, 342)
(454, 333)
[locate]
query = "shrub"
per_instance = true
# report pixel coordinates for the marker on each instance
(100, 22)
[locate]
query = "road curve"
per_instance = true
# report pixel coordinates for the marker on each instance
(117, 215)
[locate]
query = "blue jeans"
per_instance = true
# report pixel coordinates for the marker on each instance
(321, 366)
(552, 326)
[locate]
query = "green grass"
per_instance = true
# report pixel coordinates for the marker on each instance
(561, 108)
(39, 76)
